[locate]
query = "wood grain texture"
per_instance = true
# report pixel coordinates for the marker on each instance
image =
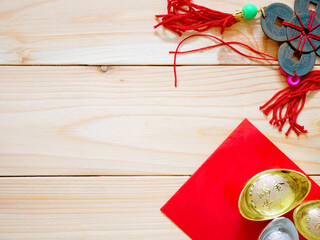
(87, 208)
(113, 33)
(132, 121)
(104, 120)
(113, 208)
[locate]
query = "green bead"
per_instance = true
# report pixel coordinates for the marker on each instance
(249, 11)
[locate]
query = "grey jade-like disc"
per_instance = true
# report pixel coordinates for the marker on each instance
(273, 12)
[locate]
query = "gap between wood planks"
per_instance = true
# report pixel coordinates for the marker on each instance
(106, 176)
(79, 176)
(134, 65)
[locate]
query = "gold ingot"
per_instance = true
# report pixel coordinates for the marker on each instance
(272, 193)
(307, 219)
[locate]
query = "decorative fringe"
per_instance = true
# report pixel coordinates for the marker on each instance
(291, 100)
(183, 15)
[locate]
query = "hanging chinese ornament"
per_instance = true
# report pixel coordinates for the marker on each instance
(298, 30)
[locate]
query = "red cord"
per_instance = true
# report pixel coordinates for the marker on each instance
(303, 35)
(286, 104)
(266, 57)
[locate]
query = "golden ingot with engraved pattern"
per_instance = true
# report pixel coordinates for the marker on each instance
(272, 193)
(307, 219)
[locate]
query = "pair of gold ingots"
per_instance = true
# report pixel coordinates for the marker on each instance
(275, 192)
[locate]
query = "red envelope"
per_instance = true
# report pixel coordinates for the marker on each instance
(206, 206)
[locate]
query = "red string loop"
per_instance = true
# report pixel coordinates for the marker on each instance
(286, 104)
(265, 56)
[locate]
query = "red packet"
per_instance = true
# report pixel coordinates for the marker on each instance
(206, 206)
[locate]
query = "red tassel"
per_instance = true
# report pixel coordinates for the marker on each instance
(183, 15)
(291, 100)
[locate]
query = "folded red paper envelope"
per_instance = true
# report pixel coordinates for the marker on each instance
(206, 206)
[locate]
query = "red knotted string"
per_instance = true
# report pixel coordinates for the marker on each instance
(285, 105)
(183, 15)
(303, 35)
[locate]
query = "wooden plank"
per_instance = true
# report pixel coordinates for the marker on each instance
(131, 120)
(112, 208)
(113, 32)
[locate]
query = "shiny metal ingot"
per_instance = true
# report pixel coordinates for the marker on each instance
(280, 229)
(307, 219)
(273, 193)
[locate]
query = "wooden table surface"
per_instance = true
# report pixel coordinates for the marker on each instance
(95, 138)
